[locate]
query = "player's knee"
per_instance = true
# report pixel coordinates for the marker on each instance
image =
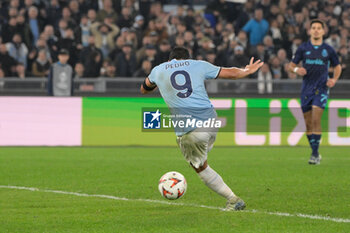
(309, 127)
(200, 168)
(316, 125)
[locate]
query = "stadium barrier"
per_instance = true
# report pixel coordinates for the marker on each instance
(105, 121)
(131, 87)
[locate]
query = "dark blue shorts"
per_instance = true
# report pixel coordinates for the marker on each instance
(318, 99)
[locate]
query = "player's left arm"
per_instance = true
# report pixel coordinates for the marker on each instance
(237, 73)
(336, 74)
(147, 86)
(337, 68)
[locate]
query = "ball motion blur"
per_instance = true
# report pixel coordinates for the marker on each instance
(172, 185)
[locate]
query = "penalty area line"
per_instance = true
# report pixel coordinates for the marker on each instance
(299, 215)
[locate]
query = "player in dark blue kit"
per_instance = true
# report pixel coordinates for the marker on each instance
(316, 58)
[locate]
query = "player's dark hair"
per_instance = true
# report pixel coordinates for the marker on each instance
(179, 53)
(317, 21)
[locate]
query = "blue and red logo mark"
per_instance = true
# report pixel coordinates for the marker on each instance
(152, 120)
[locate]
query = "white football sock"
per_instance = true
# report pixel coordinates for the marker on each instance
(214, 181)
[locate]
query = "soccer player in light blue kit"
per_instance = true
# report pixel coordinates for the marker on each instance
(181, 84)
(316, 56)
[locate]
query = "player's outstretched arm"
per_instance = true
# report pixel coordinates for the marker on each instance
(147, 86)
(237, 73)
(336, 74)
(301, 71)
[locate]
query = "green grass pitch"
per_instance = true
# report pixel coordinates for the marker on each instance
(269, 179)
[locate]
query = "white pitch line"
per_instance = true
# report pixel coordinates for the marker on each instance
(299, 215)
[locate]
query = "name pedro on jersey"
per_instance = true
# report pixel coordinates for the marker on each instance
(191, 123)
(176, 65)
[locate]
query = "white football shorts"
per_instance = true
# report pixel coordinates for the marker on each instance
(195, 146)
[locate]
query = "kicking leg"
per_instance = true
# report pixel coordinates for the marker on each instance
(215, 182)
(195, 146)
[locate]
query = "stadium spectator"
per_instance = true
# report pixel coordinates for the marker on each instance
(93, 65)
(141, 52)
(107, 11)
(24, 30)
(87, 51)
(180, 29)
(125, 19)
(35, 24)
(62, 27)
(138, 26)
(120, 41)
(10, 28)
(83, 31)
(145, 69)
(269, 46)
(189, 18)
(79, 70)
(274, 12)
(210, 56)
(150, 55)
(110, 71)
(282, 56)
(180, 41)
(21, 71)
(261, 53)
(104, 34)
(41, 44)
(161, 29)
(190, 42)
(242, 39)
(130, 4)
(205, 45)
(155, 11)
(67, 16)
(73, 6)
(53, 13)
(239, 59)
(60, 80)
(264, 80)
(126, 61)
(276, 34)
(8, 64)
(2, 75)
(277, 69)
(294, 46)
(131, 37)
(18, 50)
(244, 15)
(41, 66)
(256, 28)
(163, 53)
(92, 16)
(334, 40)
(69, 43)
(345, 61)
(172, 25)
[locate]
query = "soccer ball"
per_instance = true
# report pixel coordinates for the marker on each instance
(172, 185)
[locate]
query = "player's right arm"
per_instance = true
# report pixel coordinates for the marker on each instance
(237, 73)
(301, 71)
(293, 65)
(147, 86)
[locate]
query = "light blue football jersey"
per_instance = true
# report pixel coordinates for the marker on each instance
(181, 84)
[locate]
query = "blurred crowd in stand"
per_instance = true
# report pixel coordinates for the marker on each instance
(127, 38)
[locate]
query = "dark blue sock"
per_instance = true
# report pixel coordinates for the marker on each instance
(309, 137)
(315, 143)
